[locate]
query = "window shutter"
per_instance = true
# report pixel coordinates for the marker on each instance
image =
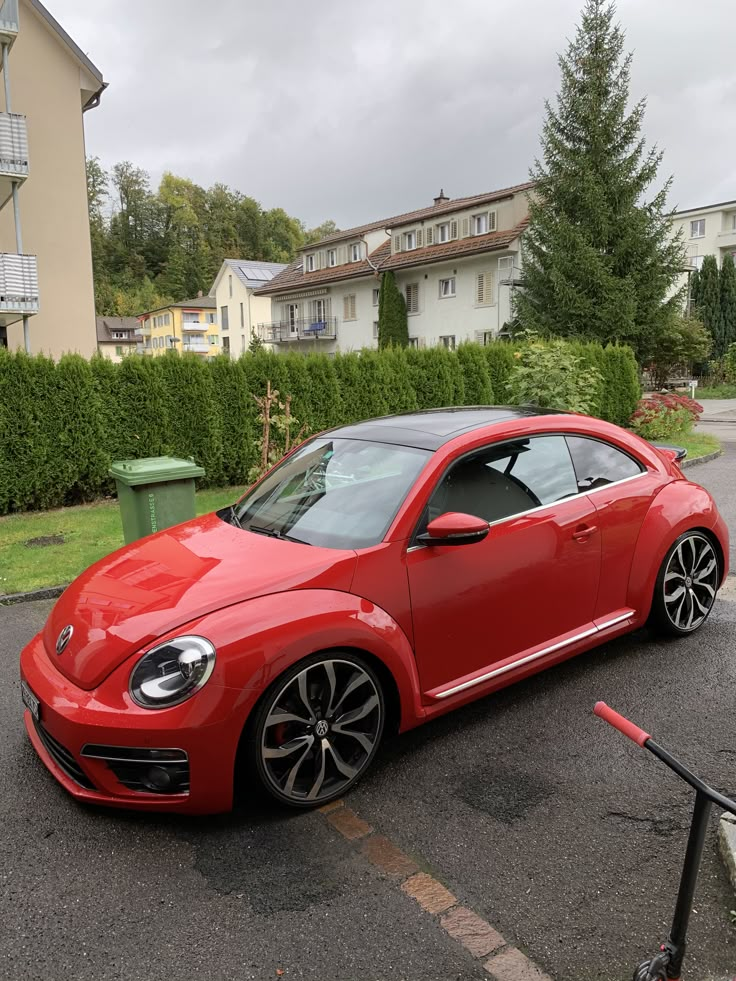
(453, 229)
(342, 255)
(346, 308)
(490, 291)
(322, 261)
(466, 228)
(480, 288)
(430, 235)
(491, 221)
(397, 243)
(419, 238)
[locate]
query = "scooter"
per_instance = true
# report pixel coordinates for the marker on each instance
(667, 964)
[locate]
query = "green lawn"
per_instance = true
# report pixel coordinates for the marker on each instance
(89, 532)
(716, 392)
(697, 444)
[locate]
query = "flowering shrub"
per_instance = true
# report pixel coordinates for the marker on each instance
(665, 416)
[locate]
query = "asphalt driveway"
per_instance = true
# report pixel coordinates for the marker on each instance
(562, 834)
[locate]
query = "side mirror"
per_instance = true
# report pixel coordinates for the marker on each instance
(454, 529)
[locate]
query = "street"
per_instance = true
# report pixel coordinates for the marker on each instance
(563, 835)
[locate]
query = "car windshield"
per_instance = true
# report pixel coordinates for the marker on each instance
(335, 493)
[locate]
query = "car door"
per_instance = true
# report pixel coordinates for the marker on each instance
(530, 582)
(621, 489)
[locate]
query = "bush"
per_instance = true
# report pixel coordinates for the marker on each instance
(665, 416)
(552, 377)
(63, 424)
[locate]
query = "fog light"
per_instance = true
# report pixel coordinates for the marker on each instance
(157, 779)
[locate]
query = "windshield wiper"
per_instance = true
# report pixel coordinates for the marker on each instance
(273, 533)
(234, 519)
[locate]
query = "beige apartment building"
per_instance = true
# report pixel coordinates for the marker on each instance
(46, 288)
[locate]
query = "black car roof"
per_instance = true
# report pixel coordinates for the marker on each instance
(429, 429)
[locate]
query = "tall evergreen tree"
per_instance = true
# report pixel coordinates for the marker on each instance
(599, 258)
(694, 294)
(727, 284)
(393, 325)
(709, 302)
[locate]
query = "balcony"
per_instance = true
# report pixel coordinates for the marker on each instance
(13, 152)
(727, 239)
(8, 21)
(197, 347)
(196, 327)
(18, 287)
(283, 331)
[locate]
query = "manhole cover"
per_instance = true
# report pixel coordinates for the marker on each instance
(44, 541)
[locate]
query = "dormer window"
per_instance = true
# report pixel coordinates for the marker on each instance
(332, 257)
(355, 252)
(480, 224)
(310, 263)
(443, 232)
(410, 240)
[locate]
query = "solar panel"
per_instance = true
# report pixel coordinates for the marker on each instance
(256, 273)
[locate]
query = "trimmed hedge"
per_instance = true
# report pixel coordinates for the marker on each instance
(62, 424)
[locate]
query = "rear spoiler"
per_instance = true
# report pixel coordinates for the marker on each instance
(676, 453)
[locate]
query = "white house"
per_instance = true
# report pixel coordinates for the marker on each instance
(456, 263)
(238, 308)
(709, 230)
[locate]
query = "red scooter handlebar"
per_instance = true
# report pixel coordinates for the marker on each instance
(623, 725)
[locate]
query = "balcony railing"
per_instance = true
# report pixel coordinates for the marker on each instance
(13, 146)
(196, 347)
(283, 331)
(199, 327)
(8, 21)
(18, 287)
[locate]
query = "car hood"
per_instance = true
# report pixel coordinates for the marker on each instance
(152, 586)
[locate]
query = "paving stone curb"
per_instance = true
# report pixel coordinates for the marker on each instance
(51, 592)
(727, 844)
(463, 925)
(701, 459)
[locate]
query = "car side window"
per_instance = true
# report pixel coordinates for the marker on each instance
(506, 479)
(597, 463)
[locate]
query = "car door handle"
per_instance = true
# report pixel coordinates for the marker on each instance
(583, 532)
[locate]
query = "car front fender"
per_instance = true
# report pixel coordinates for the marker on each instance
(259, 639)
(677, 508)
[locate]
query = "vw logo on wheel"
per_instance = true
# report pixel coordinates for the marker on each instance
(63, 639)
(322, 728)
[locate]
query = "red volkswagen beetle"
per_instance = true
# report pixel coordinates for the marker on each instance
(382, 574)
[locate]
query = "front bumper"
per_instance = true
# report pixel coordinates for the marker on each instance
(205, 730)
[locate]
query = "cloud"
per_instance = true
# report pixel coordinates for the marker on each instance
(341, 110)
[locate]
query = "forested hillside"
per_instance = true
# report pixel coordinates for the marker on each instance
(152, 246)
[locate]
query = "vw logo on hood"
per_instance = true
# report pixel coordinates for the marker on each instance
(63, 639)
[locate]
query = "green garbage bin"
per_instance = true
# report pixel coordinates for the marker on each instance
(154, 493)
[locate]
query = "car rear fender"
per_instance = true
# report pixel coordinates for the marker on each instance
(677, 508)
(259, 639)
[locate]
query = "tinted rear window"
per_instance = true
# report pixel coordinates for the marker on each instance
(597, 463)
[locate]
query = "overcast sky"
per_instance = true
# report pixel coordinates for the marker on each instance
(354, 111)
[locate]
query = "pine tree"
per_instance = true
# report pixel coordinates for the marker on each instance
(599, 259)
(709, 303)
(393, 326)
(727, 284)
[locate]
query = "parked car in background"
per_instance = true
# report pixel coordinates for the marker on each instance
(382, 574)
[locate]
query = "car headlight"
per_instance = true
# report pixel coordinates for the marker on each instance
(172, 672)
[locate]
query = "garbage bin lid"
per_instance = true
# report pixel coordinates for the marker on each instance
(154, 470)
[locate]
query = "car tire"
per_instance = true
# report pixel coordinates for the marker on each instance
(315, 731)
(686, 585)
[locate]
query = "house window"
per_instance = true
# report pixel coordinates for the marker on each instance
(211, 318)
(319, 311)
(190, 318)
(310, 263)
(733, 220)
(214, 340)
(332, 257)
(447, 287)
(242, 343)
(348, 307)
(697, 228)
(119, 350)
(224, 318)
(375, 297)
(697, 261)
(506, 267)
(448, 341)
(484, 295)
(413, 342)
(412, 298)
(225, 345)
(375, 330)
(355, 252)
(410, 241)
(480, 224)
(167, 319)
(230, 285)
(443, 232)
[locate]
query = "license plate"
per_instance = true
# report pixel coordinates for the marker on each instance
(30, 701)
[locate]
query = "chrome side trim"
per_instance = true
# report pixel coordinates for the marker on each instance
(619, 619)
(516, 664)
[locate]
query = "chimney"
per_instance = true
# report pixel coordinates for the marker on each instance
(199, 294)
(441, 197)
